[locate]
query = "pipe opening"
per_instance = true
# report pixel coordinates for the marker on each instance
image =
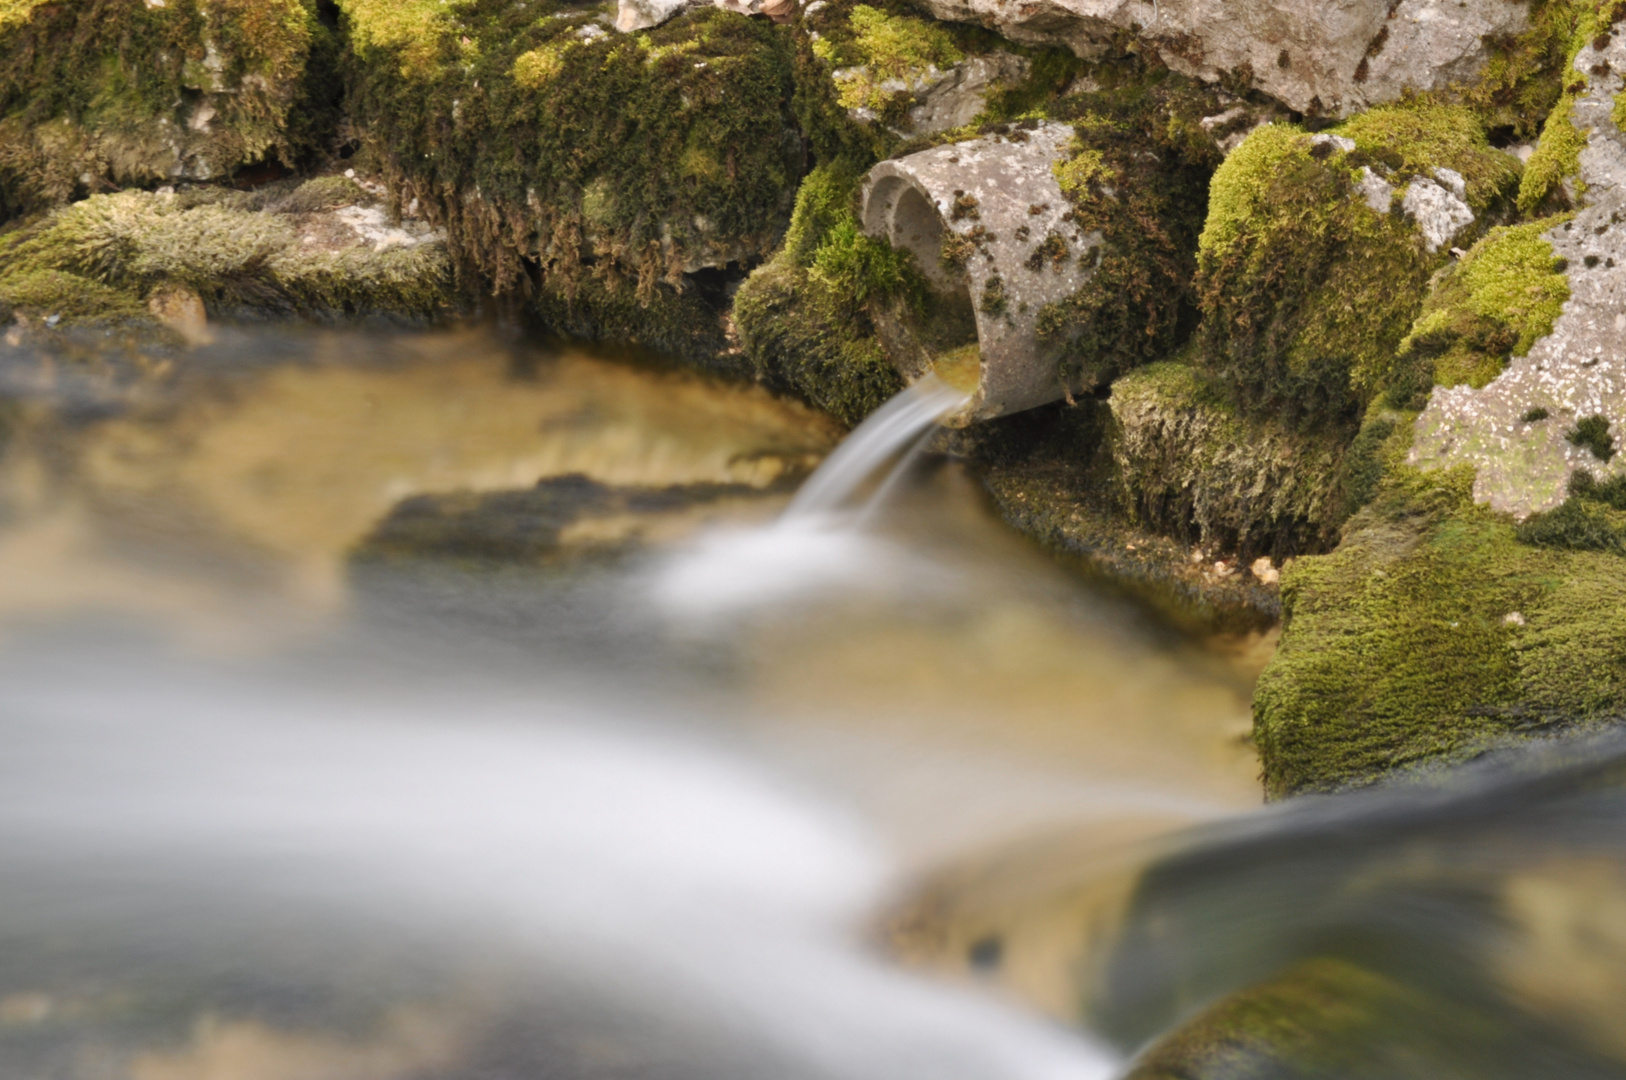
(945, 333)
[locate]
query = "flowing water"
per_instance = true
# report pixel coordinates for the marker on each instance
(445, 706)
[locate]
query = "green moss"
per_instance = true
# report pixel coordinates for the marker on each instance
(1138, 173)
(685, 324)
(801, 345)
(131, 243)
(1494, 304)
(1414, 137)
(854, 269)
(1523, 77)
(804, 318)
(73, 299)
(121, 93)
(1193, 467)
(555, 156)
(1558, 155)
(1431, 633)
(1592, 432)
(1306, 291)
(885, 47)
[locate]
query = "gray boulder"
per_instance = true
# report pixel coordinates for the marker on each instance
(1333, 58)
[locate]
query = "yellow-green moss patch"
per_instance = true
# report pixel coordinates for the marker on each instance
(1306, 289)
(1495, 303)
(1432, 633)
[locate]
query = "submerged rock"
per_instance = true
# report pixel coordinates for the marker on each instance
(561, 519)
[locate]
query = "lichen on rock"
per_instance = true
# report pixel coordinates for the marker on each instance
(1521, 465)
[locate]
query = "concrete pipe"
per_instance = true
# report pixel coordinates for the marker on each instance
(990, 230)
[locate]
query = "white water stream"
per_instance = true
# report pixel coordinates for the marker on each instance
(821, 539)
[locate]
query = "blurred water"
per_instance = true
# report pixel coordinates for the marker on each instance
(301, 777)
(439, 706)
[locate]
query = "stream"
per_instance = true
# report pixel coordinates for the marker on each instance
(386, 706)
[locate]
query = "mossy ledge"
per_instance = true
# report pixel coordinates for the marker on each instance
(106, 94)
(573, 163)
(1434, 633)
(278, 251)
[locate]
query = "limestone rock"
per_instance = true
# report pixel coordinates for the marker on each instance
(1579, 370)
(633, 15)
(1440, 214)
(1333, 58)
(958, 98)
(950, 98)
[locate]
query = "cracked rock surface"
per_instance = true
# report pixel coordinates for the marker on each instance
(1333, 58)
(1577, 371)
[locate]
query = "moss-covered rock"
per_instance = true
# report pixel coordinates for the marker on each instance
(1139, 176)
(1432, 633)
(1321, 1017)
(1551, 175)
(1494, 304)
(1195, 467)
(118, 93)
(1311, 264)
(319, 249)
(1523, 77)
(804, 319)
(556, 153)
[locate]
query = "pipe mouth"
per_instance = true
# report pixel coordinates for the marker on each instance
(995, 241)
